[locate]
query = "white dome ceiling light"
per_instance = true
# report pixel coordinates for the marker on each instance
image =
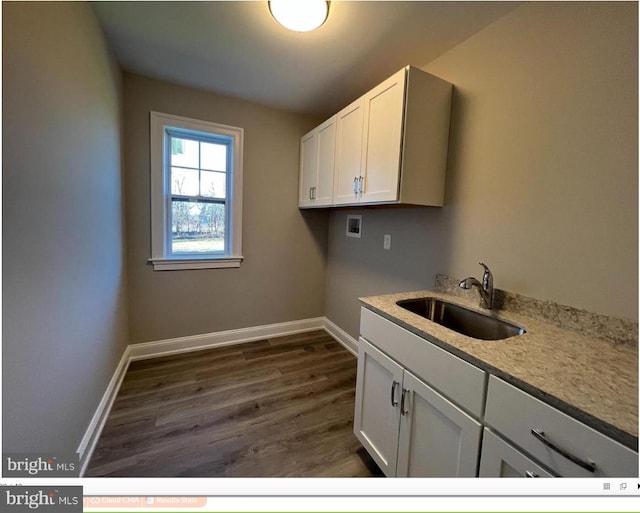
(299, 15)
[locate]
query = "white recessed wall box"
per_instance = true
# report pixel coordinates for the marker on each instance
(354, 226)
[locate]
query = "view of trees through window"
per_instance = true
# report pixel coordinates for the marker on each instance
(198, 195)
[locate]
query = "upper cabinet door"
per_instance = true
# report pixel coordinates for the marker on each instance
(326, 135)
(308, 168)
(383, 122)
(317, 162)
(348, 153)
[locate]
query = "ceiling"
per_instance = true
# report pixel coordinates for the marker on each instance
(237, 48)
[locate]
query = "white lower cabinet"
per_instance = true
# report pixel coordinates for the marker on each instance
(437, 439)
(377, 414)
(420, 411)
(501, 459)
(561, 443)
(409, 429)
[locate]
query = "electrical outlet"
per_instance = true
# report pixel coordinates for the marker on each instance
(387, 241)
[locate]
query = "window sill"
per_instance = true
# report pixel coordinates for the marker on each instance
(178, 264)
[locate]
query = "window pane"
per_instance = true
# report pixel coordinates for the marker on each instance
(213, 184)
(184, 152)
(197, 227)
(214, 156)
(184, 181)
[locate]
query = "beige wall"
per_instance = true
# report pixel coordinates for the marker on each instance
(542, 182)
(64, 310)
(361, 267)
(283, 274)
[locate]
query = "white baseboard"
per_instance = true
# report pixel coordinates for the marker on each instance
(90, 438)
(350, 343)
(222, 338)
(181, 345)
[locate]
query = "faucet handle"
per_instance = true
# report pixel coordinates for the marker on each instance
(487, 277)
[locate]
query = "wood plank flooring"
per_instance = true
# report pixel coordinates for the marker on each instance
(272, 408)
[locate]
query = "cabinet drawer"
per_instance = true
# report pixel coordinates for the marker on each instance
(516, 415)
(454, 378)
(501, 459)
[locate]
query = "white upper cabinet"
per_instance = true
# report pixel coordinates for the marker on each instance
(326, 133)
(390, 145)
(383, 114)
(348, 153)
(317, 161)
(308, 168)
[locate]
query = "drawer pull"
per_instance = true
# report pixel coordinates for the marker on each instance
(528, 473)
(394, 403)
(402, 400)
(587, 465)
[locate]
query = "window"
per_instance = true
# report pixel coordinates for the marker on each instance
(196, 193)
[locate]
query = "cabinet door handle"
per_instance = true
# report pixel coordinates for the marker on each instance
(402, 401)
(394, 403)
(313, 192)
(529, 473)
(355, 185)
(587, 465)
(361, 184)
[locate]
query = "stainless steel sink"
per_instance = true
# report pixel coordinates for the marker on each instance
(460, 319)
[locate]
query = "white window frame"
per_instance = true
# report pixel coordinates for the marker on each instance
(161, 256)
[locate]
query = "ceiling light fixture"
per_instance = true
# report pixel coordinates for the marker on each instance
(299, 15)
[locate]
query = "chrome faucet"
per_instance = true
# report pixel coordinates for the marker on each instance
(485, 288)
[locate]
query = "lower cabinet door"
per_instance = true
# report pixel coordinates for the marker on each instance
(437, 439)
(501, 459)
(377, 412)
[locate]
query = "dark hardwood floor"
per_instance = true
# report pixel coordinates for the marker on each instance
(271, 408)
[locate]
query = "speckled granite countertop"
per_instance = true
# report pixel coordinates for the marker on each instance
(589, 378)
